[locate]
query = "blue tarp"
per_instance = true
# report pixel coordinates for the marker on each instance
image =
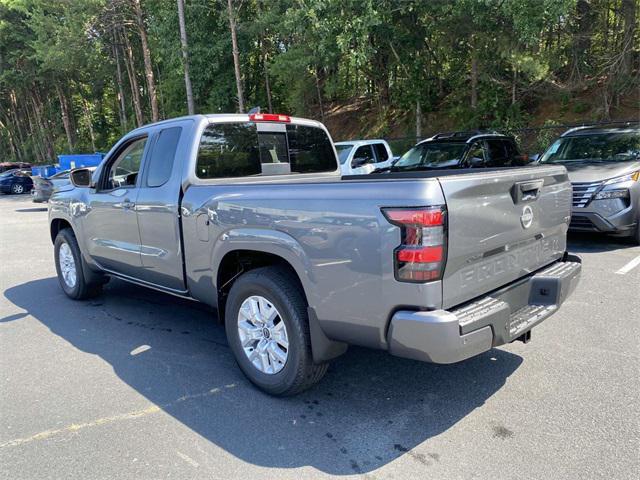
(80, 160)
(44, 170)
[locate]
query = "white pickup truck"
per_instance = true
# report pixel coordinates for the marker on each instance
(363, 156)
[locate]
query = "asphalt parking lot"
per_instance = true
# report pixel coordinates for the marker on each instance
(136, 384)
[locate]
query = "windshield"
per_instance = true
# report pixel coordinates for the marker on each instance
(604, 147)
(343, 152)
(431, 155)
(8, 173)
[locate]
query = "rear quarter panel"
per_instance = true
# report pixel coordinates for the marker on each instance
(332, 233)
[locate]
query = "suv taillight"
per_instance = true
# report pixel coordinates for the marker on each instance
(421, 256)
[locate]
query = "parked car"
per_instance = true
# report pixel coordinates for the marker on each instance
(604, 169)
(5, 166)
(15, 181)
(363, 156)
(247, 213)
(456, 150)
(44, 187)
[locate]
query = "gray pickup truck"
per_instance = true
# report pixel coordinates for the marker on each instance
(249, 214)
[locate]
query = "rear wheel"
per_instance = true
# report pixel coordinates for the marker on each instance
(69, 268)
(17, 188)
(268, 331)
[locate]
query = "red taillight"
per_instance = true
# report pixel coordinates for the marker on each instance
(417, 218)
(421, 256)
(269, 117)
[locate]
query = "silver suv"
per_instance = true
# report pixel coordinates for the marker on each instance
(604, 168)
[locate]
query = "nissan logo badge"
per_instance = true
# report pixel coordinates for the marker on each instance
(527, 217)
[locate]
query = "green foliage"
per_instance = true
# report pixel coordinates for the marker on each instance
(388, 55)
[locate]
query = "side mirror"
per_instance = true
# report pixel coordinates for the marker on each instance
(80, 177)
(535, 157)
(476, 162)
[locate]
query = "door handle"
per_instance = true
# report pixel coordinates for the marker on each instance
(125, 205)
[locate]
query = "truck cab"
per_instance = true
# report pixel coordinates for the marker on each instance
(363, 156)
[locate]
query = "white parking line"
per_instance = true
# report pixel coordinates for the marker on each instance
(629, 266)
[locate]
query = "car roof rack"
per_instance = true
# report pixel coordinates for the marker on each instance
(603, 126)
(464, 134)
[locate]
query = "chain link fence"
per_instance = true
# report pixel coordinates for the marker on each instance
(532, 140)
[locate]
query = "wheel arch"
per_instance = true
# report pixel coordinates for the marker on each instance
(244, 250)
(56, 225)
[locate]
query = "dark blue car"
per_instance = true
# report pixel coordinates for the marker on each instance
(15, 181)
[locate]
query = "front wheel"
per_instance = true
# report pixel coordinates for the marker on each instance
(268, 331)
(69, 268)
(17, 188)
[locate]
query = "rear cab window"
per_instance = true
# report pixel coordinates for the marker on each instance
(259, 149)
(382, 154)
(497, 153)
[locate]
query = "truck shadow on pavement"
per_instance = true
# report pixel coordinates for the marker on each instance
(370, 409)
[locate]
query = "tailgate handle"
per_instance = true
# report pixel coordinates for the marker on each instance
(526, 191)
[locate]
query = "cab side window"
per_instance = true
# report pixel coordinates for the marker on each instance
(363, 156)
(162, 156)
(514, 157)
(381, 152)
(476, 156)
(123, 171)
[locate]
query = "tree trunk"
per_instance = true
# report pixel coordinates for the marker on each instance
(319, 93)
(14, 113)
(89, 119)
(185, 58)
(236, 56)
(35, 137)
(514, 82)
(15, 153)
(267, 83)
(122, 105)
(133, 81)
(41, 119)
(581, 42)
(146, 55)
(630, 25)
(66, 122)
(474, 79)
(418, 121)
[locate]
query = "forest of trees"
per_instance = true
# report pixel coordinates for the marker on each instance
(76, 74)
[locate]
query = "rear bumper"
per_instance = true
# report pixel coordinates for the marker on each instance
(39, 196)
(501, 317)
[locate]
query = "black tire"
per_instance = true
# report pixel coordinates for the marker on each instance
(636, 236)
(17, 188)
(278, 286)
(83, 288)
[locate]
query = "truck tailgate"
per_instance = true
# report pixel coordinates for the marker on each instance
(502, 226)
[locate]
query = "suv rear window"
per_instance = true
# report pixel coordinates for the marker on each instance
(240, 150)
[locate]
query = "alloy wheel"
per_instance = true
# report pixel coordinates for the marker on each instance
(263, 335)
